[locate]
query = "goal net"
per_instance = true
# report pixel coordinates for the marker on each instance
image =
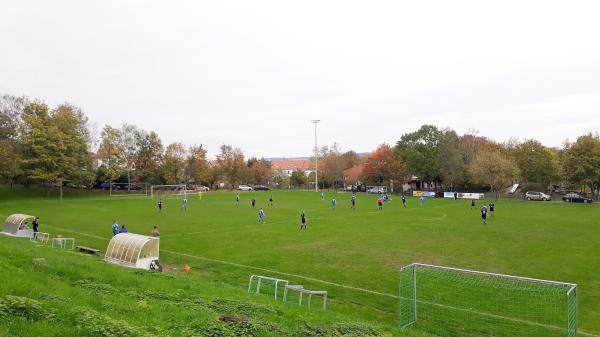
(448, 301)
(163, 191)
(126, 189)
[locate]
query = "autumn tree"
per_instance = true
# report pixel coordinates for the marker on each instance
(419, 151)
(381, 166)
(331, 165)
(260, 171)
(537, 163)
(450, 160)
(11, 110)
(111, 152)
(72, 124)
(232, 164)
(196, 165)
(494, 168)
(582, 162)
(148, 157)
(174, 164)
(129, 144)
(298, 178)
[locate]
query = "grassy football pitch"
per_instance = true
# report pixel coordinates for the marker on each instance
(354, 254)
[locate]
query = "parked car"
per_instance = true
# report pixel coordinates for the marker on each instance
(261, 188)
(244, 188)
(574, 197)
(107, 186)
(539, 196)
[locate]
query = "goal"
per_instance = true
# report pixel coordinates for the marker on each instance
(127, 189)
(168, 190)
(448, 301)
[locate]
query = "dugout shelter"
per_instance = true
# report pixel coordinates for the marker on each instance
(18, 225)
(133, 250)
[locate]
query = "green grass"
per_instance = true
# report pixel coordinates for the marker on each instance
(362, 248)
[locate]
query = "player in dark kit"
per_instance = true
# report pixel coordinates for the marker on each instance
(353, 201)
(492, 208)
(484, 213)
(253, 202)
(472, 203)
(302, 220)
(403, 201)
(271, 201)
(160, 204)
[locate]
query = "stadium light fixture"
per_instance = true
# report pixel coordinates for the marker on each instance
(315, 121)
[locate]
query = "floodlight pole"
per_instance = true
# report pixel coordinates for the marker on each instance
(315, 121)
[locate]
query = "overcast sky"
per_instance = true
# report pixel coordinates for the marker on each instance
(254, 73)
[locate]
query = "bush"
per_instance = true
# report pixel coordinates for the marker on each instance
(15, 306)
(97, 324)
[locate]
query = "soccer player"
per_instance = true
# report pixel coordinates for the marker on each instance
(123, 229)
(455, 196)
(115, 227)
(403, 201)
(35, 223)
(254, 202)
(271, 200)
(492, 208)
(261, 216)
(333, 203)
(472, 203)
(322, 196)
(422, 201)
(302, 220)
(155, 233)
(353, 201)
(160, 204)
(237, 199)
(184, 204)
(380, 202)
(484, 213)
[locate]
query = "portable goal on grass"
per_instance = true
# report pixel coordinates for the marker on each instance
(267, 284)
(455, 302)
(162, 191)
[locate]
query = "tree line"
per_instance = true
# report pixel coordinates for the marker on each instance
(40, 144)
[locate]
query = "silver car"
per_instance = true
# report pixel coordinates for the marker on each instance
(538, 196)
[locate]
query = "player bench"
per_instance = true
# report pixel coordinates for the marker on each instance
(88, 250)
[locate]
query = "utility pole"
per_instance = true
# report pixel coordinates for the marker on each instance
(315, 121)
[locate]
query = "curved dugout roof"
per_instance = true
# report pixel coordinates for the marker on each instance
(132, 250)
(14, 221)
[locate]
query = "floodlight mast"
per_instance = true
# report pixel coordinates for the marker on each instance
(315, 121)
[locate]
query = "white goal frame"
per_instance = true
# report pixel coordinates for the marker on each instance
(183, 186)
(128, 192)
(261, 278)
(408, 314)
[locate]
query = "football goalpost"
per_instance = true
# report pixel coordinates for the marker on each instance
(168, 190)
(456, 302)
(179, 190)
(128, 189)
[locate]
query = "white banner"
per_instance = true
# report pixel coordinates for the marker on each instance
(471, 195)
(464, 195)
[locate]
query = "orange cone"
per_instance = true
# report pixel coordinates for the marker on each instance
(186, 267)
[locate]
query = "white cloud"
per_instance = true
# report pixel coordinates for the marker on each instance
(253, 73)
